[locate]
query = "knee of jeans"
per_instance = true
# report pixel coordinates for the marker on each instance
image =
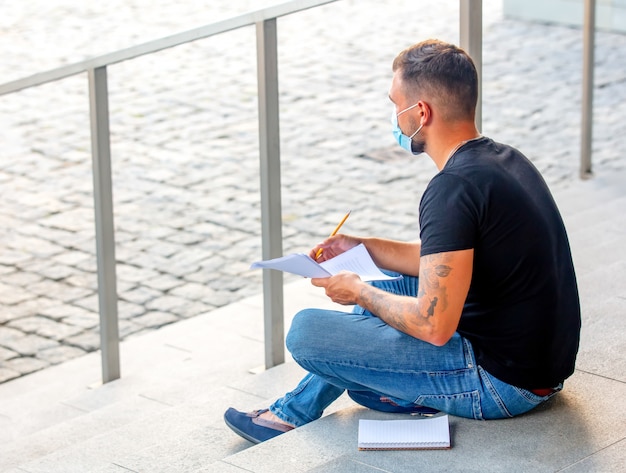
(297, 335)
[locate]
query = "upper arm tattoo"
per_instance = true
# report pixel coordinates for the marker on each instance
(434, 269)
(404, 313)
(415, 316)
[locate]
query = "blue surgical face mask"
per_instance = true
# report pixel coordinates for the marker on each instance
(403, 140)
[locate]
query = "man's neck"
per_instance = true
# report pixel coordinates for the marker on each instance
(445, 142)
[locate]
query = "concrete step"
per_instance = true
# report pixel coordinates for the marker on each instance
(582, 429)
(609, 216)
(51, 398)
(136, 398)
(181, 438)
(602, 347)
(582, 195)
(176, 384)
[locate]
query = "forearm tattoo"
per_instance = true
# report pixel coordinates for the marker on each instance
(413, 315)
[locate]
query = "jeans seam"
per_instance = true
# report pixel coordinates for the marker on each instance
(457, 371)
(477, 413)
(492, 391)
(298, 389)
(534, 398)
(277, 409)
(468, 350)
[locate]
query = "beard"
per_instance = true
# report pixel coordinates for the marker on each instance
(418, 145)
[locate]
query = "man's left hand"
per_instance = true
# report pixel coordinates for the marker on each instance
(341, 288)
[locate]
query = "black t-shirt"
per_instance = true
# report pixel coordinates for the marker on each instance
(522, 312)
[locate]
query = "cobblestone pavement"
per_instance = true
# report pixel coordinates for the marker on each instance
(185, 159)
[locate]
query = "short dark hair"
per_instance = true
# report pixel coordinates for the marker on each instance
(444, 73)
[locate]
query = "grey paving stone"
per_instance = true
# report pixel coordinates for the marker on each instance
(140, 294)
(10, 295)
(155, 319)
(29, 345)
(185, 238)
(144, 260)
(11, 314)
(193, 291)
(73, 221)
(163, 282)
(66, 312)
(59, 354)
(9, 335)
(45, 327)
(71, 258)
(24, 365)
(6, 354)
(73, 315)
(193, 308)
(128, 310)
(89, 303)
(11, 257)
(129, 328)
(133, 273)
(88, 265)
(60, 290)
(167, 303)
(36, 246)
(180, 269)
(87, 341)
(21, 278)
(7, 374)
(83, 279)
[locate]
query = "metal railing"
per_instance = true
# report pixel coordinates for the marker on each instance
(269, 154)
(586, 131)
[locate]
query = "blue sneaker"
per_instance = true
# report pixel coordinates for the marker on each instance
(384, 404)
(252, 427)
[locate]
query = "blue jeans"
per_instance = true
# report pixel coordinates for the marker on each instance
(357, 351)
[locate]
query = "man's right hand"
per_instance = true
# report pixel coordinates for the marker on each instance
(333, 246)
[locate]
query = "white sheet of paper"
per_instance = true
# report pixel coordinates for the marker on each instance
(297, 263)
(356, 260)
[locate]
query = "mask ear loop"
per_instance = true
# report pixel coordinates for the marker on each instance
(418, 130)
(406, 109)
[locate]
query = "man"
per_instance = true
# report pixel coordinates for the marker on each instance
(485, 322)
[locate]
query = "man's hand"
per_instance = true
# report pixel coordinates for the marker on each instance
(333, 246)
(341, 288)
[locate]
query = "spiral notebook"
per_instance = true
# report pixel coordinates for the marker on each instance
(414, 434)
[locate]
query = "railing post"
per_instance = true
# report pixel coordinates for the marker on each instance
(271, 213)
(105, 239)
(471, 34)
(586, 131)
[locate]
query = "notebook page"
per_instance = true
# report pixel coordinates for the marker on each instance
(432, 432)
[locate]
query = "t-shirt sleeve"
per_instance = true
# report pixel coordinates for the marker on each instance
(449, 215)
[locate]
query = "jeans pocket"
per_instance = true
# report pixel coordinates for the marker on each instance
(535, 398)
(460, 404)
(507, 400)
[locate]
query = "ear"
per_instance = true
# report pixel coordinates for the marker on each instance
(425, 112)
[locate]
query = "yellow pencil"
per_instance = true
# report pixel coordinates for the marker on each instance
(319, 252)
